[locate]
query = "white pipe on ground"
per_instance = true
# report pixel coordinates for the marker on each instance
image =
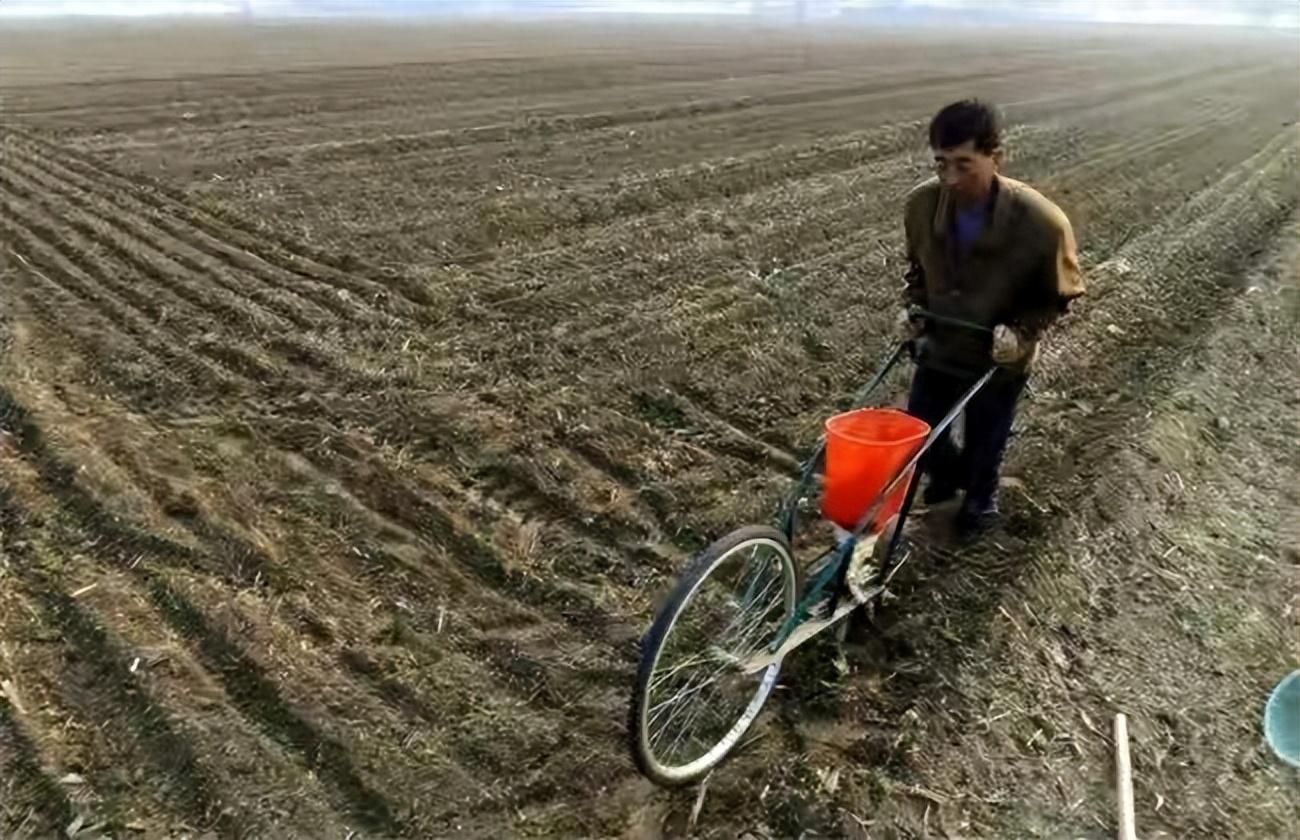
(1124, 780)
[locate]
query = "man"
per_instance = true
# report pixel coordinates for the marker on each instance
(987, 250)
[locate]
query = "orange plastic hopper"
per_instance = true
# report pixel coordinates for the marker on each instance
(864, 449)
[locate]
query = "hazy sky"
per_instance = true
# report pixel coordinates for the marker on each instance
(1211, 12)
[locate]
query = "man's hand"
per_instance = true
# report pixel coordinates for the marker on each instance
(909, 326)
(1007, 346)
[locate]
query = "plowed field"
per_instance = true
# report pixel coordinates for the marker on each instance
(363, 387)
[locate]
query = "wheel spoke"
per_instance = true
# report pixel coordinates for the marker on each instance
(680, 666)
(676, 708)
(686, 692)
(687, 728)
(741, 614)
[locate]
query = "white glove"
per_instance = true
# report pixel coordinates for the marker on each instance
(1007, 348)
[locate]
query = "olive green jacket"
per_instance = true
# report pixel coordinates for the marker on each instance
(1022, 270)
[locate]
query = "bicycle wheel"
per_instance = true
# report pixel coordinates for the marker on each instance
(691, 703)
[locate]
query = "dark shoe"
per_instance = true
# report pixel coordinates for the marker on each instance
(937, 494)
(973, 520)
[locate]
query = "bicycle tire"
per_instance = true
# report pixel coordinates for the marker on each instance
(650, 759)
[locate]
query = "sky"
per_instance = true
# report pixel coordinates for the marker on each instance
(1285, 13)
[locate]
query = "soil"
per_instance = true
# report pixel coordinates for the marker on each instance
(364, 387)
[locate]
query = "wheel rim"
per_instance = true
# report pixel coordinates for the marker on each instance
(697, 703)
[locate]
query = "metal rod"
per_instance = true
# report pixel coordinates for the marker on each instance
(892, 359)
(919, 312)
(811, 594)
(887, 564)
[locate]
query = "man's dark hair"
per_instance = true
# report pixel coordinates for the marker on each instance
(969, 119)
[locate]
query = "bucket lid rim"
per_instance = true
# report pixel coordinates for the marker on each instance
(923, 428)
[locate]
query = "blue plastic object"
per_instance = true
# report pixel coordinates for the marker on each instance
(1282, 719)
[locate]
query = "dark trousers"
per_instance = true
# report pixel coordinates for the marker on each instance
(974, 468)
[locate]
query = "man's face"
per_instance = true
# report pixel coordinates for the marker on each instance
(966, 171)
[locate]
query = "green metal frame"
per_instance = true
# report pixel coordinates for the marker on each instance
(814, 593)
(787, 517)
